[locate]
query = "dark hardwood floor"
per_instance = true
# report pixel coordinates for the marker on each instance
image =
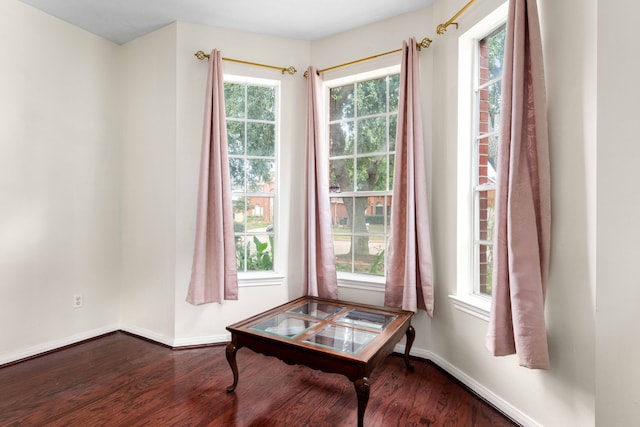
(121, 380)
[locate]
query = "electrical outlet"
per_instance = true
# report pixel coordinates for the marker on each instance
(77, 301)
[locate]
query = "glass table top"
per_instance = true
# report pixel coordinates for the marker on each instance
(284, 325)
(341, 338)
(316, 309)
(367, 319)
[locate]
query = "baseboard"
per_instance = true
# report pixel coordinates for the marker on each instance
(200, 341)
(148, 334)
(49, 346)
(499, 403)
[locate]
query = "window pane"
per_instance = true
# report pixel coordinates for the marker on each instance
(394, 89)
(486, 214)
(235, 137)
(241, 253)
(391, 168)
(234, 100)
(260, 175)
(342, 249)
(341, 208)
(393, 124)
(372, 135)
(341, 174)
(259, 214)
(373, 262)
(487, 159)
(490, 98)
(341, 102)
(485, 263)
(372, 173)
(259, 253)
(372, 97)
(341, 138)
(236, 169)
(496, 53)
(239, 206)
(261, 139)
(261, 103)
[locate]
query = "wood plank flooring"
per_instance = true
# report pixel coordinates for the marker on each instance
(121, 380)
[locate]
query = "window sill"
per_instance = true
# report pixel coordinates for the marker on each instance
(475, 306)
(259, 279)
(361, 281)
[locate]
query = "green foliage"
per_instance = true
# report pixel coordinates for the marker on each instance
(377, 266)
(260, 260)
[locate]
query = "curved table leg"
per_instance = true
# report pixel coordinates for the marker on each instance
(231, 358)
(411, 335)
(362, 390)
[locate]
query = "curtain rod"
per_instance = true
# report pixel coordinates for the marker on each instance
(424, 44)
(442, 28)
(291, 70)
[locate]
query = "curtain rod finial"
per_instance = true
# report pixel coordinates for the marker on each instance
(291, 70)
(425, 43)
(201, 55)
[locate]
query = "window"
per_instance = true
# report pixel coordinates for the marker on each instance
(480, 62)
(488, 84)
(252, 131)
(362, 115)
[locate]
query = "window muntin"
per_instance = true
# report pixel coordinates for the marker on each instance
(487, 94)
(252, 133)
(362, 125)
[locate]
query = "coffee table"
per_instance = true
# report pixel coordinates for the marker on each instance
(329, 335)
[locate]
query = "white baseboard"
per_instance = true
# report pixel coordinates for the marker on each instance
(55, 344)
(210, 339)
(501, 404)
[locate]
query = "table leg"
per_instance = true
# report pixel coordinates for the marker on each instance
(231, 358)
(362, 390)
(411, 335)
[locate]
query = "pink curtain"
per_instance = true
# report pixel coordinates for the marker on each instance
(320, 268)
(410, 271)
(214, 275)
(523, 211)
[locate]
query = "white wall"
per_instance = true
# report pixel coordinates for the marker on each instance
(618, 208)
(59, 182)
(148, 182)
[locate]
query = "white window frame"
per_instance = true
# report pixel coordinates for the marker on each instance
(359, 280)
(275, 277)
(466, 298)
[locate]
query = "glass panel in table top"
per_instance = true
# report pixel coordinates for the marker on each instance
(285, 326)
(342, 338)
(367, 319)
(317, 309)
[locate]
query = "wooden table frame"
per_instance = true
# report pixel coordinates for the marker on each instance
(294, 351)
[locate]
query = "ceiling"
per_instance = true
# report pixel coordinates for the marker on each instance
(123, 20)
